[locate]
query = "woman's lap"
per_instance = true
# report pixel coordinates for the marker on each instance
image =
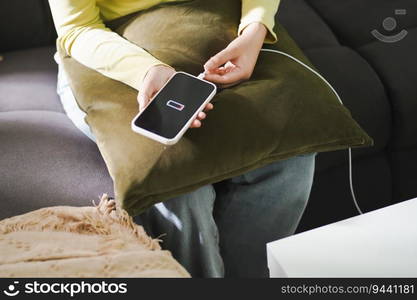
(232, 219)
(69, 103)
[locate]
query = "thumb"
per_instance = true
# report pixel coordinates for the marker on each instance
(143, 99)
(219, 59)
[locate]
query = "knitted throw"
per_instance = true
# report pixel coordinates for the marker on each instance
(96, 241)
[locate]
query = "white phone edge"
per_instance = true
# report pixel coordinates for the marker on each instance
(174, 140)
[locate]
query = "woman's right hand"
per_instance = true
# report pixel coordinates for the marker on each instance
(154, 80)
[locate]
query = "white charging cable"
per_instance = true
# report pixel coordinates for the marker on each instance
(338, 97)
(201, 76)
(352, 191)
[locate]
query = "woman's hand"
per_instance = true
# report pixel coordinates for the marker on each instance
(154, 80)
(236, 62)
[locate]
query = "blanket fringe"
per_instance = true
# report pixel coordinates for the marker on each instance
(105, 218)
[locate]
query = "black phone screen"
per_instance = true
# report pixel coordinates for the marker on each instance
(174, 105)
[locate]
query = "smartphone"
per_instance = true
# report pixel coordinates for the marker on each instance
(170, 112)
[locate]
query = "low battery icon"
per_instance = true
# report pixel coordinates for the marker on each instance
(175, 105)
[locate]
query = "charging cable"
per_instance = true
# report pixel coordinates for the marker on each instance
(340, 100)
(201, 76)
(352, 191)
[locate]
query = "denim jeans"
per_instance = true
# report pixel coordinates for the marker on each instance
(222, 229)
(69, 103)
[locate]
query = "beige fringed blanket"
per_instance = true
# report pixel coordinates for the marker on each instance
(96, 241)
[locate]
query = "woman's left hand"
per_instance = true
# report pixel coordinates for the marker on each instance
(236, 62)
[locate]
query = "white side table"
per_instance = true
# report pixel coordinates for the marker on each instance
(381, 243)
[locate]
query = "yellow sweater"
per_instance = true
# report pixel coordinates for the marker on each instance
(83, 35)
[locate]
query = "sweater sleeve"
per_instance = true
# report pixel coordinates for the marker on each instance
(262, 11)
(83, 35)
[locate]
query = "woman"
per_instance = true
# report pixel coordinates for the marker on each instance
(218, 229)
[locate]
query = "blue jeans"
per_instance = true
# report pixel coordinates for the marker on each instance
(222, 229)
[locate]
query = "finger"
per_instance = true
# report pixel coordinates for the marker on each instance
(142, 100)
(229, 66)
(220, 71)
(208, 107)
(201, 116)
(145, 95)
(196, 124)
(218, 60)
(227, 78)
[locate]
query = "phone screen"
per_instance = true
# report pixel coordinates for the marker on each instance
(174, 105)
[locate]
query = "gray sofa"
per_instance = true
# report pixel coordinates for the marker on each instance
(45, 160)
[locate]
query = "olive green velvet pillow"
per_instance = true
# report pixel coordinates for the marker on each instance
(282, 111)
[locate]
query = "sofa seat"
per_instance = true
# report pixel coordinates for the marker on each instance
(44, 159)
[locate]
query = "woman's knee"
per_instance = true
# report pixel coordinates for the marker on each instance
(197, 201)
(202, 197)
(299, 168)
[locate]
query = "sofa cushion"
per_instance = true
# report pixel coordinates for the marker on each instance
(25, 24)
(28, 80)
(352, 21)
(362, 93)
(307, 28)
(46, 161)
(394, 63)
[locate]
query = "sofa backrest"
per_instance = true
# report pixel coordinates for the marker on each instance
(25, 24)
